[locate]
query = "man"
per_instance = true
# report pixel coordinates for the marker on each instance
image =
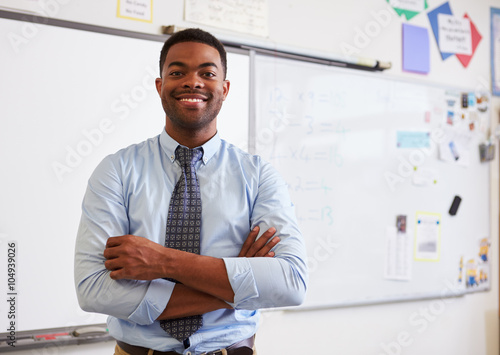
(127, 262)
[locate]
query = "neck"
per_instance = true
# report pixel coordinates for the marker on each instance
(189, 138)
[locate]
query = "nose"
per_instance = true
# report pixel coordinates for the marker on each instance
(193, 81)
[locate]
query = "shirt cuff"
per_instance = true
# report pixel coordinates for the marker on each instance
(153, 303)
(242, 280)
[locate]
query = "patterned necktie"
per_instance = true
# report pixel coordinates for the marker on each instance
(183, 230)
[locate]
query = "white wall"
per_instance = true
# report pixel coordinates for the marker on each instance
(462, 326)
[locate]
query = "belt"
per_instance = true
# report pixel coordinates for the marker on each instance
(244, 347)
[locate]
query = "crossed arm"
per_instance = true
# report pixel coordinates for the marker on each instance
(203, 282)
(124, 276)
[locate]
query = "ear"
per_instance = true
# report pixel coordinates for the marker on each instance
(158, 83)
(225, 88)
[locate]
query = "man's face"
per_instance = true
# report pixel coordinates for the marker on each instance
(192, 87)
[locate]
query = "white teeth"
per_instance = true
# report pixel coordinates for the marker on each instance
(192, 100)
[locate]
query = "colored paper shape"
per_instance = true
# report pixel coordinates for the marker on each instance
(476, 38)
(433, 19)
(454, 34)
(407, 7)
(413, 139)
(416, 56)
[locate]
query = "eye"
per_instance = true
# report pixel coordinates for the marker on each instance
(209, 75)
(175, 73)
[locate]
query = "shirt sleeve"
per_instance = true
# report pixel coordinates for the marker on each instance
(282, 280)
(104, 215)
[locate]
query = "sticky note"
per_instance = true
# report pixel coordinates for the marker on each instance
(416, 56)
(413, 139)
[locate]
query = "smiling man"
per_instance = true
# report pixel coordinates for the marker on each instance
(184, 237)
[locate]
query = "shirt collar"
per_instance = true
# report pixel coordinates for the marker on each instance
(169, 145)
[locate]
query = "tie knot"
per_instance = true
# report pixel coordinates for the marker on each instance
(188, 156)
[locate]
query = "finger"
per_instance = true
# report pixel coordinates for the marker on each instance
(110, 253)
(113, 264)
(261, 242)
(116, 274)
(266, 249)
(249, 241)
(113, 242)
(114, 251)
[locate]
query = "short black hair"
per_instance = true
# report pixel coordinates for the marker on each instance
(194, 35)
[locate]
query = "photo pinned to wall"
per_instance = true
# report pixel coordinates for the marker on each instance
(427, 236)
(137, 10)
(408, 8)
(477, 267)
(484, 250)
(455, 148)
(466, 116)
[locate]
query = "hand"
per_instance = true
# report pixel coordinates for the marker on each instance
(260, 247)
(135, 258)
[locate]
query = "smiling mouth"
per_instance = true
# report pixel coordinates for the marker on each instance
(191, 100)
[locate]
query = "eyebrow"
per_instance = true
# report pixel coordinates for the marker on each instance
(202, 65)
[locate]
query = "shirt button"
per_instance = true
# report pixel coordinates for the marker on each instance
(188, 353)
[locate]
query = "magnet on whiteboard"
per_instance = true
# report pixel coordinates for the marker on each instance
(454, 205)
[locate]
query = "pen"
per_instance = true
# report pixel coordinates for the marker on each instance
(54, 336)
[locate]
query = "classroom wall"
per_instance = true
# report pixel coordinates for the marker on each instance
(461, 326)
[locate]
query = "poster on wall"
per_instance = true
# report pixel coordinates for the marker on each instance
(138, 10)
(455, 36)
(495, 51)
(246, 17)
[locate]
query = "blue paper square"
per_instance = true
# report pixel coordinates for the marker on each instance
(433, 19)
(416, 56)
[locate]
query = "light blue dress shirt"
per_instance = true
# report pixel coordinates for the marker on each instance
(129, 193)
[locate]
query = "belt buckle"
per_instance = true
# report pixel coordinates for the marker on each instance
(216, 352)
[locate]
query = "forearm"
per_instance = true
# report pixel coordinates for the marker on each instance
(245, 282)
(186, 301)
(267, 282)
(137, 301)
(202, 273)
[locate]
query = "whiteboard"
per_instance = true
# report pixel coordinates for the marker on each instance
(333, 134)
(68, 98)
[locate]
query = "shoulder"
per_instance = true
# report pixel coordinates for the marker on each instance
(249, 163)
(128, 157)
